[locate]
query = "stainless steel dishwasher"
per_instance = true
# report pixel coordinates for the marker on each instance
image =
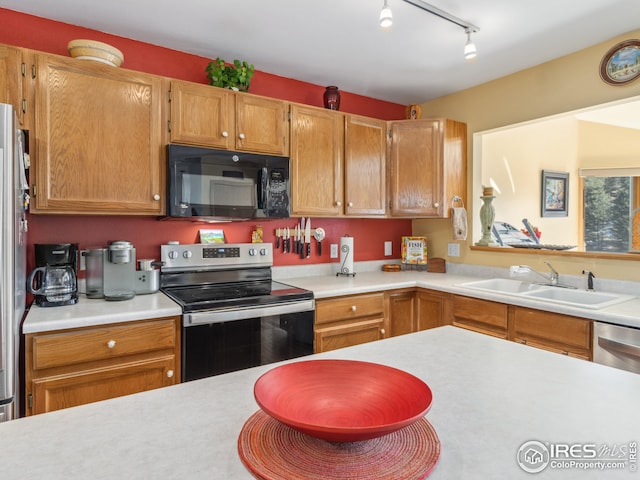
(616, 346)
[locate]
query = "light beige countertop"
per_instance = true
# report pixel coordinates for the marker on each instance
(372, 279)
(91, 312)
(322, 280)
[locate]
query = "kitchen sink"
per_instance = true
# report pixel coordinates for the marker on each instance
(502, 285)
(578, 298)
(564, 296)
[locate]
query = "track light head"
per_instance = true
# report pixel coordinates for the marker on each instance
(386, 17)
(470, 50)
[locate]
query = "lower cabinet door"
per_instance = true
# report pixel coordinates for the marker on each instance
(63, 391)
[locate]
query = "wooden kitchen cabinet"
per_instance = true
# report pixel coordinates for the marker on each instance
(401, 306)
(481, 316)
(209, 116)
(428, 166)
(68, 368)
(346, 321)
(317, 150)
(414, 310)
(16, 82)
(431, 309)
(338, 163)
(99, 147)
(555, 332)
(365, 166)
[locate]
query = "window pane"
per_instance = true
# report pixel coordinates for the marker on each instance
(607, 202)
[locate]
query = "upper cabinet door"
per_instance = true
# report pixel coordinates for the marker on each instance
(219, 118)
(428, 166)
(261, 125)
(365, 166)
(317, 139)
(11, 78)
(202, 115)
(98, 139)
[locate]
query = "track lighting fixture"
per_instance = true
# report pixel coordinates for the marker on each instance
(470, 51)
(386, 17)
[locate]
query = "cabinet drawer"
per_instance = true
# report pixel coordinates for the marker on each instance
(80, 346)
(346, 308)
(552, 328)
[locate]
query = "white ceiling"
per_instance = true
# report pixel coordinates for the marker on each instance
(339, 42)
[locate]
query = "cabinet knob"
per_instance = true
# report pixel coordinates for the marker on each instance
(241, 136)
(156, 197)
(382, 332)
(338, 203)
(111, 343)
(436, 205)
(225, 134)
(350, 204)
(353, 308)
(169, 373)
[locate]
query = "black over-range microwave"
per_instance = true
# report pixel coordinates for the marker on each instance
(204, 183)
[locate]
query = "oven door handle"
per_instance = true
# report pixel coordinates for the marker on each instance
(243, 313)
(616, 346)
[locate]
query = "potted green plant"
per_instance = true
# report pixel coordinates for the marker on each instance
(236, 76)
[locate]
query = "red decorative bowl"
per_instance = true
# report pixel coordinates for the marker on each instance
(342, 400)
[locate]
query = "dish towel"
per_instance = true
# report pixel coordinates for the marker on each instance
(459, 220)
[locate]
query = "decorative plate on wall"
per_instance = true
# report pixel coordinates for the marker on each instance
(621, 64)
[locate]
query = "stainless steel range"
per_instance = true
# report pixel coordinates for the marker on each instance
(234, 315)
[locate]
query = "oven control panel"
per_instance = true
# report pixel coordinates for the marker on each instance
(177, 257)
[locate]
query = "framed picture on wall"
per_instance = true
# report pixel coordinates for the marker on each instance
(621, 64)
(555, 194)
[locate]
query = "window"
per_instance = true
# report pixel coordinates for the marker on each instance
(610, 202)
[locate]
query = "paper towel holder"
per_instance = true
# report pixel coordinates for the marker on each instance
(344, 270)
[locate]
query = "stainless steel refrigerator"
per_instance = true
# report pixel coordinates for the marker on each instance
(13, 243)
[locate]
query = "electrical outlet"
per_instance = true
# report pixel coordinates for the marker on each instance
(388, 248)
(334, 250)
(453, 250)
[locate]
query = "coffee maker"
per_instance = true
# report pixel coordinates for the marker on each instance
(54, 280)
(118, 270)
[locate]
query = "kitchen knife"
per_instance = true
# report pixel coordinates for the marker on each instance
(307, 238)
(295, 239)
(301, 237)
(277, 238)
(286, 243)
(301, 251)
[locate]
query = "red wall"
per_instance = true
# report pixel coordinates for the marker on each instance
(147, 233)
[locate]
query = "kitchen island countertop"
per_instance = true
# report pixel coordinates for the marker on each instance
(490, 396)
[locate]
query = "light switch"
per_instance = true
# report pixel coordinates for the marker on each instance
(334, 250)
(388, 248)
(453, 250)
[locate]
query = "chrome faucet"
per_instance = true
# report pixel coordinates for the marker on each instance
(553, 276)
(552, 279)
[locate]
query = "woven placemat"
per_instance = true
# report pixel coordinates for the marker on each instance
(273, 451)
